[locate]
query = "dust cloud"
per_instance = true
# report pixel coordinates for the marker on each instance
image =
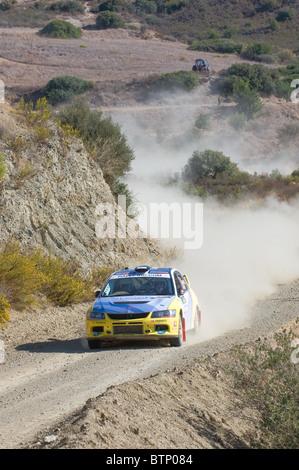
(246, 251)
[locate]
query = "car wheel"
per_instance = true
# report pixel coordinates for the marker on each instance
(95, 344)
(178, 341)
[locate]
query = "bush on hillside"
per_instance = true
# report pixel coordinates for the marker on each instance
(70, 6)
(103, 138)
(25, 275)
(61, 29)
(286, 14)
(207, 164)
(63, 88)
(222, 46)
(255, 50)
(110, 5)
(109, 19)
(145, 7)
(257, 78)
(248, 102)
(181, 79)
(211, 173)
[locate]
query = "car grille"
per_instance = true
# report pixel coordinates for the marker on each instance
(127, 316)
(128, 330)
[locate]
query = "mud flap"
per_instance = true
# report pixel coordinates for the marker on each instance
(184, 330)
(199, 317)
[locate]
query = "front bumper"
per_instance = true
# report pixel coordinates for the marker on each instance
(148, 328)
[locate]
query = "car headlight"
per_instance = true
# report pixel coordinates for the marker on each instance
(164, 313)
(96, 316)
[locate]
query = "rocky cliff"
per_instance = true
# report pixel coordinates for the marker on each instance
(53, 195)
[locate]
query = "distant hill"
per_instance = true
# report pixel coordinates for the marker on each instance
(273, 21)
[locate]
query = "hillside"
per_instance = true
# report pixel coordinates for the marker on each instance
(272, 21)
(245, 21)
(50, 195)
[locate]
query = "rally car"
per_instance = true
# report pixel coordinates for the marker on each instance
(143, 303)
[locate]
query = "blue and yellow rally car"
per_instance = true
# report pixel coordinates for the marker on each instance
(143, 303)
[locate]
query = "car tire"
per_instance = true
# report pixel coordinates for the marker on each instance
(178, 341)
(95, 344)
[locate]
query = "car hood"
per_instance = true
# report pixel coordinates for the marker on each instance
(132, 304)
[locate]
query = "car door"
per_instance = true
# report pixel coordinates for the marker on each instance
(185, 296)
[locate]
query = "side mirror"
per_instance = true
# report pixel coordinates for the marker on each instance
(97, 293)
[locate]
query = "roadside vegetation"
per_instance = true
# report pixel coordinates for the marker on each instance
(245, 80)
(105, 142)
(181, 79)
(31, 277)
(212, 174)
(268, 376)
(102, 138)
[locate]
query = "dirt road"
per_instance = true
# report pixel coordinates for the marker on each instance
(49, 372)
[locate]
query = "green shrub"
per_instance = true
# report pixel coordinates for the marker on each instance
(286, 14)
(283, 89)
(222, 46)
(207, 164)
(248, 102)
(145, 7)
(268, 5)
(104, 139)
(63, 88)
(273, 24)
(109, 19)
(203, 121)
(109, 5)
(238, 121)
(211, 173)
(174, 5)
(259, 78)
(61, 29)
(181, 79)
(70, 6)
(5, 6)
(254, 50)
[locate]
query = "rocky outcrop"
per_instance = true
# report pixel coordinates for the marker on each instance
(54, 195)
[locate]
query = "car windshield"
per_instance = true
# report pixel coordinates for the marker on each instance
(138, 285)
